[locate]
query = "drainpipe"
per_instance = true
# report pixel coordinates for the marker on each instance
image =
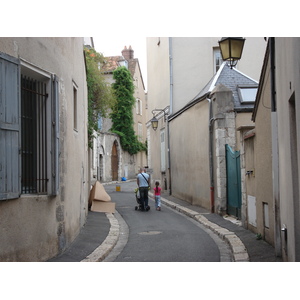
(170, 109)
(169, 160)
(211, 172)
(275, 163)
(272, 72)
(171, 74)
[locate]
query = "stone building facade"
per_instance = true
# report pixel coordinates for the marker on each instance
(44, 172)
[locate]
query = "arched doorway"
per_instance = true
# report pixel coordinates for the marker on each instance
(114, 162)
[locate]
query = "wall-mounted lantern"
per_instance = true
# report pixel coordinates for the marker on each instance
(231, 49)
(154, 123)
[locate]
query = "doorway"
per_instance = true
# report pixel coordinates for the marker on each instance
(234, 194)
(114, 161)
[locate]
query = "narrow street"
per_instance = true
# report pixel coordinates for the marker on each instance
(161, 236)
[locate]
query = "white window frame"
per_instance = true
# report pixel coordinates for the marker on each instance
(246, 87)
(34, 72)
(163, 150)
(139, 106)
(217, 59)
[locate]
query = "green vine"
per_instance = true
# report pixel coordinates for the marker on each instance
(122, 116)
(100, 94)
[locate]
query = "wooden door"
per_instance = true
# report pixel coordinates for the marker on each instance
(234, 195)
(114, 162)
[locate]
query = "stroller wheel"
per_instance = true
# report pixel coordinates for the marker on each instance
(147, 208)
(136, 208)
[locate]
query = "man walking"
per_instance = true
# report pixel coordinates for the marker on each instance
(143, 184)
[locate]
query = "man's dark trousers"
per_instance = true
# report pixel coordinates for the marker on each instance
(144, 197)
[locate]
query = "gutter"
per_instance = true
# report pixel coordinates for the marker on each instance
(211, 169)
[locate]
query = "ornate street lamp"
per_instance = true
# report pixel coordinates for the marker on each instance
(154, 123)
(231, 49)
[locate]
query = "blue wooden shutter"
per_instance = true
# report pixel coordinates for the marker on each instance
(10, 107)
(55, 136)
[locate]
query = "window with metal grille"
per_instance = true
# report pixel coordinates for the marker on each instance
(29, 129)
(33, 136)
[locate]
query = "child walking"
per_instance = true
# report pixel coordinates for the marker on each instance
(157, 191)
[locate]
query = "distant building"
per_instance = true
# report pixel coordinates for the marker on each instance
(110, 162)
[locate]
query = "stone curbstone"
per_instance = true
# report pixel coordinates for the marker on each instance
(104, 249)
(239, 250)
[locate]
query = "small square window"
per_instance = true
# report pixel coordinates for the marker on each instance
(247, 94)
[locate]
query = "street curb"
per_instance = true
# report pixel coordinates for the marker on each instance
(238, 248)
(104, 249)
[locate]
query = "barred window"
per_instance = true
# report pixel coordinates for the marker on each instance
(29, 129)
(33, 136)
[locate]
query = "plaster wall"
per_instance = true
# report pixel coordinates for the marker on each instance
(156, 153)
(190, 71)
(189, 137)
(158, 97)
(35, 227)
(288, 111)
(263, 166)
(158, 74)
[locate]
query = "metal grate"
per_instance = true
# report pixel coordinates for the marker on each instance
(34, 136)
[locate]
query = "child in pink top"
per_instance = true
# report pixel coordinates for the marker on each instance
(157, 191)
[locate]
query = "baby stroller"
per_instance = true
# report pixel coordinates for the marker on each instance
(137, 197)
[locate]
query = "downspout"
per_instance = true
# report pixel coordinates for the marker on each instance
(169, 160)
(171, 74)
(170, 109)
(275, 163)
(272, 71)
(211, 172)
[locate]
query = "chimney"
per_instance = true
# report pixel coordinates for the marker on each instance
(128, 53)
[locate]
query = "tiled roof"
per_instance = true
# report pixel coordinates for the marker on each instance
(111, 63)
(232, 79)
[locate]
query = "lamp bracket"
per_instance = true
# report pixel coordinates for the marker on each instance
(165, 111)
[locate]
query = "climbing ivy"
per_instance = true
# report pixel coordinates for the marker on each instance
(122, 116)
(100, 94)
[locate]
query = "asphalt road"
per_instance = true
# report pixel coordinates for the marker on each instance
(161, 236)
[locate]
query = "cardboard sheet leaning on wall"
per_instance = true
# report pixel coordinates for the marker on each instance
(99, 200)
